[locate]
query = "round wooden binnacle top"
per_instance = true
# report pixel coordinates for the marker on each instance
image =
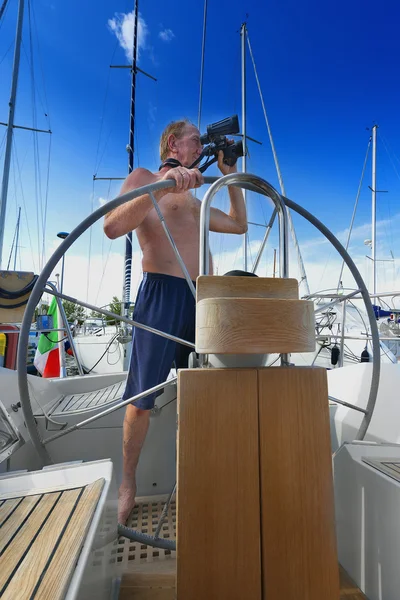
(217, 286)
(254, 325)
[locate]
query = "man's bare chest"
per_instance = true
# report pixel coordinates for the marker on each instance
(178, 202)
(181, 214)
(176, 208)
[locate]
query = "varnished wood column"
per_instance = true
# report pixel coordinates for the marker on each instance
(218, 516)
(299, 558)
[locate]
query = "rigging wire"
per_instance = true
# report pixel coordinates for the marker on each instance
(90, 247)
(102, 247)
(103, 236)
(14, 172)
(220, 251)
(354, 210)
(277, 165)
(105, 147)
(249, 249)
(103, 273)
(7, 51)
(325, 267)
(385, 145)
(2, 144)
(16, 205)
(45, 105)
(136, 155)
(3, 10)
(203, 51)
(42, 200)
(14, 242)
(233, 82)
(36, 152)
(46, 201)
(279, 173)
(14, 150)
(37, 202)
(236, 255)
(366, 327)
(388, 153)
(96, 161)
(222, 204)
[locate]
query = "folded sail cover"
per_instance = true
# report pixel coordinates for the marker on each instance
(47, 357)
(15, 289)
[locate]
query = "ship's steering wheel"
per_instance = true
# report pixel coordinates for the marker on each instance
(244, 180)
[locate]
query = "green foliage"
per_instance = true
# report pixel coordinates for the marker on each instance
(96, 315)
(114, 306)
(74, 312)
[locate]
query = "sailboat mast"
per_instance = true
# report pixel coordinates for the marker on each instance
(373, 187)
(243, 33)
(131, 148)
(126, 294)
(10, 124)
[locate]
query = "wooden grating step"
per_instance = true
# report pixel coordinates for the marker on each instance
(147, 573)
(73, 403)
(144, 518)
(41, 536)
(150, 573)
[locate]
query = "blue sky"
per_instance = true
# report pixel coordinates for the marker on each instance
(328, 71)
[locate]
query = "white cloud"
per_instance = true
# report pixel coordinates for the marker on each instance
(122, 26)
(166, 35)
(363, 231)
(102, 201)
(359, 234)
(101, 281)
(97, 281)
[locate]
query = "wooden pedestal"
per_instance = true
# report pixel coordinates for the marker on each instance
(255, 490)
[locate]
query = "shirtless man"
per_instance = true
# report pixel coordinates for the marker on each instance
(164, 300)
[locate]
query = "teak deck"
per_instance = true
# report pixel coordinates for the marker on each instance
(41, 536)
(150, 573)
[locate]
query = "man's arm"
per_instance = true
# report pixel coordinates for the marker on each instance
(236, 220)
(129, 216)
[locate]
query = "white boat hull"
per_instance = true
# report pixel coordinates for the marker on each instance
(102, 353)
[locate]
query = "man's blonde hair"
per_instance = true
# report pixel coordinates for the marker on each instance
(174, 128)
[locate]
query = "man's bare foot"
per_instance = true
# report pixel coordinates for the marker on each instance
(126, 502)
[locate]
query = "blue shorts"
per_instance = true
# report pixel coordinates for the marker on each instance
(165, 303)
